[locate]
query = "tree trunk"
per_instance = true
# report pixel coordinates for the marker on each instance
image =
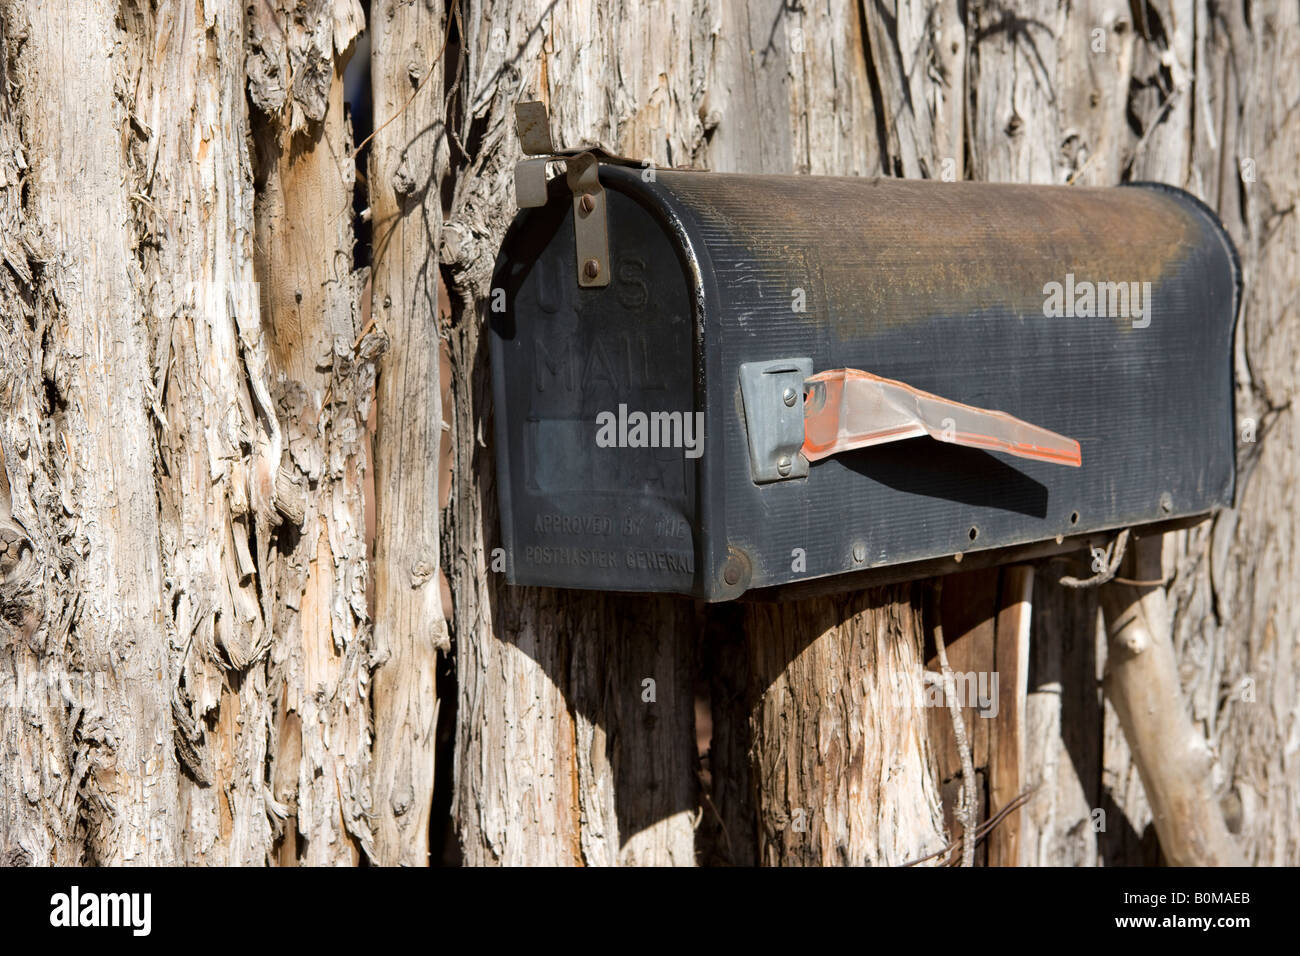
(562, 754)
(842, 761)
(218, 439)
(323, 366)
(93, 436)
(408, 159)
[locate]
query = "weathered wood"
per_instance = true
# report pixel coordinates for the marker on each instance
(986, 618)
(728, 835)
(631, 691)
(1007, 730)
(323, 365)
(1235, 598)
(408, 156)
(842, 760)
(38, 785)
(219, 442)
(600, 772)
(968, 612)
(77, 120)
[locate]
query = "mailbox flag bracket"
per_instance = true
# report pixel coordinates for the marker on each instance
(794, 417)
(774, 417)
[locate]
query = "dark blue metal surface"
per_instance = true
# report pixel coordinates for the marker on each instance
(938, 285)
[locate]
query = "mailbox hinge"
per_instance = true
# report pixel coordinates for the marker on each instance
(582, 173)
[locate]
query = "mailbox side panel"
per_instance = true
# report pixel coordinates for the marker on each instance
(594, 407)
(1002, 297)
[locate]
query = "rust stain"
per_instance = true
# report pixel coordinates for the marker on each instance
(887, 251)
(575, 833)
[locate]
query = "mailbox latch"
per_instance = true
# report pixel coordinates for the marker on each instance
(773, 397)
(590, 223)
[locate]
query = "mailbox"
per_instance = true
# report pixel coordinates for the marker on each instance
(708, 383)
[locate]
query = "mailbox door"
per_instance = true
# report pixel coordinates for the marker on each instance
(587, 383)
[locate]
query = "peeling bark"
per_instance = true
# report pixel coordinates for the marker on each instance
(79, 112)
(41, 774)
(218, 439)
(323, 372)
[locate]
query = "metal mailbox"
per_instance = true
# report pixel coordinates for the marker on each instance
(708, 383)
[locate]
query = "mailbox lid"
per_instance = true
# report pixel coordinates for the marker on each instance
(950, 288)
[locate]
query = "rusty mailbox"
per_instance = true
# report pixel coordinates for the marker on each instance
(709, 383)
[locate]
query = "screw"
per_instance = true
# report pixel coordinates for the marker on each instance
(859, 553)
(788, 396)
(591, 268)
(783, 465)
(586, 203)
(1166, 503)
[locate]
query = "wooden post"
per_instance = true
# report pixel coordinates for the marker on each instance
(842, 761)
(1172, 757)
(1007, 743)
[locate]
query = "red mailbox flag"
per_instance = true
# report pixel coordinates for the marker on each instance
(847, 408)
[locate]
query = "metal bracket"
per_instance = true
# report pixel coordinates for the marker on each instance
(582, 173)
(530, 183)
(534, 128)
(590, 224)
(773, 395)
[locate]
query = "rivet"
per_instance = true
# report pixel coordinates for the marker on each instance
(736, 569)
(783, 465)
(591, 268)
(586, 203)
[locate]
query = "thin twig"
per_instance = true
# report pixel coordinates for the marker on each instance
(984, 829)
(446, 32)
(966, 810)
(1111, 558)
(1155, 583)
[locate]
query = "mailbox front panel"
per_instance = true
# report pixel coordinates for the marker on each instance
(584, 505)
(1002, 297)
